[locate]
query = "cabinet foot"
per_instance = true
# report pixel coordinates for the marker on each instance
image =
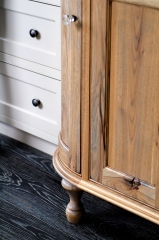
(74, 209)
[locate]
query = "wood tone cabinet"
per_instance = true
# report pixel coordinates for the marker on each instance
(109, 141)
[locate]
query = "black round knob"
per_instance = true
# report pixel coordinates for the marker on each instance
(33, 33)
(36, 102)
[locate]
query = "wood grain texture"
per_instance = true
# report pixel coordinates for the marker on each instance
(122, 183)
(146, 3)
(98, 88)
(75, 90)
(71, 82)
(63, 152)
(133, 122)
(65, 74)
(157, 184)
(134, 87)
(106, 193)
(28, 213)
(85, 81)
(16, 224)
(74, 209)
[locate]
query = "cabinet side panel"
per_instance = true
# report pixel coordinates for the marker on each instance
(98, 87)
(71, 83)
(75, 90)
(134, 88)
(85, 89)
(65, 73)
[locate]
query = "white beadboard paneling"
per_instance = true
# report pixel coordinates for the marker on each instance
(16, 40)
(29, 139)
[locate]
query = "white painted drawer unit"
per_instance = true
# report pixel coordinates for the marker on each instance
(30, 66)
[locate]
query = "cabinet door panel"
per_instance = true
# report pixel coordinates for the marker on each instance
(134, 99)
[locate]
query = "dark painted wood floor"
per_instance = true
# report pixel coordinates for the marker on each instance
(32, 203)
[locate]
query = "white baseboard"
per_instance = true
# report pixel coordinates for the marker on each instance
(27, 138)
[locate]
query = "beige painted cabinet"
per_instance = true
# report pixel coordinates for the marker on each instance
(109, 141)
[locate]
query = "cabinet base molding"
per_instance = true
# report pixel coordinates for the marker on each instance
(104, 193)
(74, 209)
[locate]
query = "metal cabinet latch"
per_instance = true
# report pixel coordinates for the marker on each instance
(134, 183)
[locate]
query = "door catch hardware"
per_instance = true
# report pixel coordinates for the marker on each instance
(68, 19)
(134, 183)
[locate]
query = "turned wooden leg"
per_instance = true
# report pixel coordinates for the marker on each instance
(74, 209)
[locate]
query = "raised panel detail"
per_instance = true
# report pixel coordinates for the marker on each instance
(134, 87)
(129, 185)
(134, 101)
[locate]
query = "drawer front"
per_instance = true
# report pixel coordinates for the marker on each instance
(17, 89)
(52, 2)
(17, 18)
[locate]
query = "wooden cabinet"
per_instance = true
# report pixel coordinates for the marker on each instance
(109, 141)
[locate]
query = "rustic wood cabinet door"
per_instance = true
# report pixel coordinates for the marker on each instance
(126, 146)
